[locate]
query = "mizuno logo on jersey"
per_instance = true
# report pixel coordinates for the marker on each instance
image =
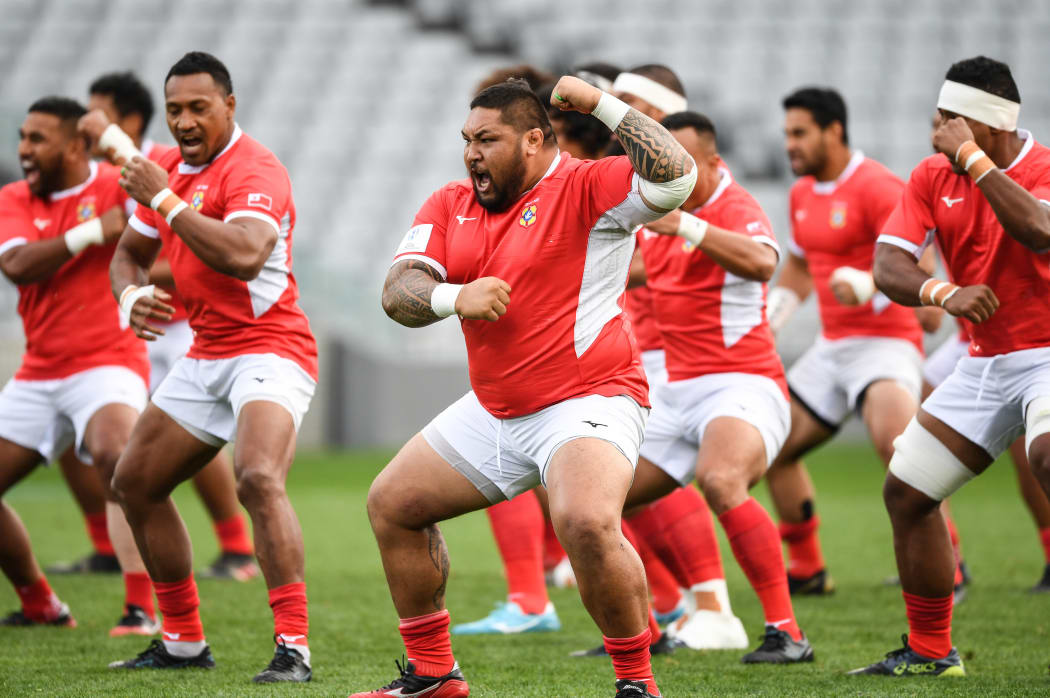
(461, 219)
(40, 223)
(950, 202)
(594, 425)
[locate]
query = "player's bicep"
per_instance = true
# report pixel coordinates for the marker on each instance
(141, 249)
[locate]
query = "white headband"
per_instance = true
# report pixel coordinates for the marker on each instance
(663, 98)
(979, 105)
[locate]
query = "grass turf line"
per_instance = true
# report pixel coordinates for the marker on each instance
(1001, 631)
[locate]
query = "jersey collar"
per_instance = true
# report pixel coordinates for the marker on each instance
(851, 167)
(550, 170)
(723, 184)
(73, 191)
(197, 169)
(1029, 141)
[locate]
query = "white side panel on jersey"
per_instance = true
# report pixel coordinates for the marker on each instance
(267, 287)
(741, 307)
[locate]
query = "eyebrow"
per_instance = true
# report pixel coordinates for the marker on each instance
(477, 134)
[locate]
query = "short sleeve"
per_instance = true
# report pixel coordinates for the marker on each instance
(608, 190)
(910, 224)
(425, 240)
(258, 189)
(16, 224)
(144, 221)
(748, 219)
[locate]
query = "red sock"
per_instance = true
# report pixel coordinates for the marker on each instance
(291, 622)
(428, 644)
(929, 625)
(98, 533)
(630, 658)
(38, 601)
(953, 534)
(518, 528)
(180, 604)
(662, 584)
(654, 628)
(138, 591)
(688, 535)
(756, 547)
(805, 558)
(233, 535)
(648, 526)
(1044, 538)
(553, 553)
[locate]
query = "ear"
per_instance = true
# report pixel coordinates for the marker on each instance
(132, 123)
(231, 103)
(835, 130)
(533, 141)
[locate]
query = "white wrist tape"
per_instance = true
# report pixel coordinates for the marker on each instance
(443, 299)
(780, 304)
(668, 195)
(692, 229)
(860, 281)
(131, 294)
(80, 237)
(179, 208)
(610, 111)
(117, 144)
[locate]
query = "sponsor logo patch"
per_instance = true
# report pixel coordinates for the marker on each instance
(416, 239)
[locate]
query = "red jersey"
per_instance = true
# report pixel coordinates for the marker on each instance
(835, 224)
(712, 321)
(70, 319)
(231, 317)
(565, 248)
(976, 249)
(638, 304)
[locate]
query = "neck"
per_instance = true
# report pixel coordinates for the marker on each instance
(1005, 149)
(541, 164)
(704, 189)
(835, 164)
(75, 175)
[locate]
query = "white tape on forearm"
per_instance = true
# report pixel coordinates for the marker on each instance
(860, 281)
(610, 111)
(80, 237)
(130, 295)
(159, 198)
(113, 140)
(443, 299)
(692, 229)
(179, 208)
(669, 195)
(780, 304)
(663, 98)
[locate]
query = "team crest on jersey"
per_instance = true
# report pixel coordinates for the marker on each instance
(528, 216)
(85, 211)
(688, 247)
(838, 214)
(197, 201)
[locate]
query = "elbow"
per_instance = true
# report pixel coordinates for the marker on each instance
(390, 306)
(249, 268)
(1037, 236)
(764, 269)
(16, 273)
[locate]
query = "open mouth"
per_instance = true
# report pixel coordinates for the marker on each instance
(191, 144)
(482, 182)
(30, 172)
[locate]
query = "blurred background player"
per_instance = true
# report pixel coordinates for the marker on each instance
(984, 197)
(82, 381)
(122, 99)
(868, 357)
(222, 205)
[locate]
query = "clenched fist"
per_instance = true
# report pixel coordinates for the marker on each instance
(147, 310)
(975, 303)
(486, 298)
(143, 179)
(573, 94)
(949, 135)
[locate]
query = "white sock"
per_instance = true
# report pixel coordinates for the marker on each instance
(720, 590)
(301, 649)
(184, 649)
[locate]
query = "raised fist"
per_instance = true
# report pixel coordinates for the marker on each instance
(573, 94)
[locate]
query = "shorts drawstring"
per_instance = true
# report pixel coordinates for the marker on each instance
(984, 376)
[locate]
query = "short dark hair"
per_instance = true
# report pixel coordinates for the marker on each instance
(200, 62)
(518, 105)
(660, 74)
(689, 119)
(67, 110)
(985, 74)
(129, 94)
(825, 104)
(536, 77)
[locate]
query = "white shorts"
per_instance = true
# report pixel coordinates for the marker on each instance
(654, 362)
(505, 457)
(829, 380)
(940, 364)
(166, 350)
(985, 398)
(683, 409)
(205, 396)
(48, 416)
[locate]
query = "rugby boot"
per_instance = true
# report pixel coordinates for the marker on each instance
(1043, 586)
(907, 662)
(64, 619)
(156, 656)
(625, 688)
(451, 685)
(819, 584)
(287, 665)
(508, 619)
(778, 647)
(236, 566)
(93, 563)
(135, 622)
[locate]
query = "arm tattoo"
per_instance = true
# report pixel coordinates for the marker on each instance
(652, 150)
(439, 556)
(406, 293)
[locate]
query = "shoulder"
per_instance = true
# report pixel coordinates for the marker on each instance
(931, 171)
(169, 159)
(15, 194)
(873, 171)
(802, 187)
(249, 149)
(160, 153)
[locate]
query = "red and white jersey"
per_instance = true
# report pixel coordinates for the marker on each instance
(939, 203)
(231, 317)
(711, 320)
(638, 304)
(71, 321)
(835, 224)
(565, 248)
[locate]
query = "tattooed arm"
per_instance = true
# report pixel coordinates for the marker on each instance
(656, 155)
(410, 285)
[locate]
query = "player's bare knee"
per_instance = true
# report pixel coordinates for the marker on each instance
(720, 485)
(584, 532)
(257, 486)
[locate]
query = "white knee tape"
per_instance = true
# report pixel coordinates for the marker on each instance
(1036, 420)
(922, 461)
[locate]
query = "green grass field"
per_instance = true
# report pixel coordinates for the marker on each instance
(1002, 632)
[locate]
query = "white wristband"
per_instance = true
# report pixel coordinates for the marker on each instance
(780, 304)
(610, 111)
(443, 299)
(115, 140)
(860, 281)
(692, 229)
(131, 294)
(80, 237)
(159, 198)
(179, 208)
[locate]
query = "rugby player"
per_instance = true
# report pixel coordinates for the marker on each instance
(222, 206)
(559, 396)
(83, 376)
(983, 197)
